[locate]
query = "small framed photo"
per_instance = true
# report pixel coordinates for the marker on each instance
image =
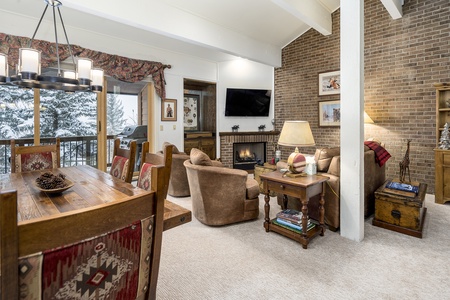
(330, 83)
(329, 113)
(191, 108)
(169, 110)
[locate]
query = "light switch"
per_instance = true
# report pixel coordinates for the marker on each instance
(174, 127)
(161, 127)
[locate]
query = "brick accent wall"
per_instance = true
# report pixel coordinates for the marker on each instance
(228, 138)
(403, 58)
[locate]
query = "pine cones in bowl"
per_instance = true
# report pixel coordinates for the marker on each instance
(53, 184)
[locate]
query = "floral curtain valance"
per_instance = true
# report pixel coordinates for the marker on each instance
(119, 67)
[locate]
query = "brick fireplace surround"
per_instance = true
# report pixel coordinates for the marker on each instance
(228, 138)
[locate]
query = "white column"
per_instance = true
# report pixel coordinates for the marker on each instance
(352, 125)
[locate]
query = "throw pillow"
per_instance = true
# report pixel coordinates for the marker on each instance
(200, 158)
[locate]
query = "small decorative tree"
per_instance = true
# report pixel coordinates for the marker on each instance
(444, 141)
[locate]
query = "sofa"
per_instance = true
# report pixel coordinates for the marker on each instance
(328, 164)
(220, 195)
(178, 184)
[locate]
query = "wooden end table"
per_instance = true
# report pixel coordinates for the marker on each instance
(304, 187)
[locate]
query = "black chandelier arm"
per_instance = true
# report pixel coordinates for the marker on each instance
(37, 27)
(67, 38)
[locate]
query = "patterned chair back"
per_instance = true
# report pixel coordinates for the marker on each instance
(93, 256)
(32, 158)
(122, 166)
(148, 160)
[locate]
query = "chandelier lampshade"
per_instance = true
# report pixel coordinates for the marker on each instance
(28, 73)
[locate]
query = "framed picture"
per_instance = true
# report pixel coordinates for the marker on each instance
(330, 83)
(191, 109)
(329, 113)
(169, 110)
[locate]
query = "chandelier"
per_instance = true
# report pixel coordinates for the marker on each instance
(83, 77)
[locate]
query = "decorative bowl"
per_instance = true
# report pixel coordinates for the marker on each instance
(69, 184)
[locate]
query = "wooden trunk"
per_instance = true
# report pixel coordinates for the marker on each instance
(400, 213)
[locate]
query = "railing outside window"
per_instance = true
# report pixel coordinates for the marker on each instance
(80, 150)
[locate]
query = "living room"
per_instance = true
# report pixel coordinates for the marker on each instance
(402, 57)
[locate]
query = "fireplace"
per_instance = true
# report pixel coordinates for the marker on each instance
(246, 155)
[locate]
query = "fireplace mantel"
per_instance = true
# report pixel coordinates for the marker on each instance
(230, 133)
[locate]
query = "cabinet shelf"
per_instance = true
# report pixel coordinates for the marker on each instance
(442, 156)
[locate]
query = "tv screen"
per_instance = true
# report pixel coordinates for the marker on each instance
(247, 103)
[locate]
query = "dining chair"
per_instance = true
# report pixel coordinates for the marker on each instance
(108, 251)
(32, 158)
(122, 166)
(148, 160)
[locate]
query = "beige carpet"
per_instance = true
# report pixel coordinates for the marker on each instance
(242, 261)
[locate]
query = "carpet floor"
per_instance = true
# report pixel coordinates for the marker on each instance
(242, 261)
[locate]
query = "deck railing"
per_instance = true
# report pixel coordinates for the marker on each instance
(75, 150)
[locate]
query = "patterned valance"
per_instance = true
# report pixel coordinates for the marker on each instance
(119, 67)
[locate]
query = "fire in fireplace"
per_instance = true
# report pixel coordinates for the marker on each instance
(246, 155)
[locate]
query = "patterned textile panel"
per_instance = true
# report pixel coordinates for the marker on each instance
(119, 167)
(112, 266)
(145, 177)
(35, 161)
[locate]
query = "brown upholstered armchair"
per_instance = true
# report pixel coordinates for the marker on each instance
(178, 184)
(220, 195)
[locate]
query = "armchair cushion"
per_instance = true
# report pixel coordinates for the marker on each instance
(323, 157)
(174, 148)
(200, 158)
(335, 166)
(252, 188)
(119, 167)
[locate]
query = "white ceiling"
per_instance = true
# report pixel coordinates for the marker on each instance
(215, 30)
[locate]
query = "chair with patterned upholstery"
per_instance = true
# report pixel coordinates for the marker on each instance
(32, 158)
(122, 165)
(148, 160)
(107, 251)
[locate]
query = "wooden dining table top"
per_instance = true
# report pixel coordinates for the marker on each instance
(91, 187)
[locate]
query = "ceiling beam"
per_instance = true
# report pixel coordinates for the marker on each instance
(310, 12)
(394, 7)
(163, 19)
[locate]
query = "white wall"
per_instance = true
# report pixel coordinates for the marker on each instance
(242, 73)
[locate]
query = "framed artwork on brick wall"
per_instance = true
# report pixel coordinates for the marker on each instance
(330, 83)
(329, 113)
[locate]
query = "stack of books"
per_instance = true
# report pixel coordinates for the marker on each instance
(402, 189)
(291, 219)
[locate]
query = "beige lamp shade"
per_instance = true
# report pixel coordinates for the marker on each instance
(367, 119)
(296, 134)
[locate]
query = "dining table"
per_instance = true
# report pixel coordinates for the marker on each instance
(91, 187)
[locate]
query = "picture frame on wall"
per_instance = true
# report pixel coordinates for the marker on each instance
(191, 108)
(169, 110)
(329, 113)
(330, 83)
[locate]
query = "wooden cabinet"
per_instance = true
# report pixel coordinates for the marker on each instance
(442, 108)
(204, 141)
(442, 156)
(442, 176)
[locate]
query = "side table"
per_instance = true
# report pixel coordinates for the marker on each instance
(304, 187)
(400, 213)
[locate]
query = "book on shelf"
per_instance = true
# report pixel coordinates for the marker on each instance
(293, 227)
(290, 214)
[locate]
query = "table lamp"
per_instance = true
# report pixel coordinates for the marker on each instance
(296, 134)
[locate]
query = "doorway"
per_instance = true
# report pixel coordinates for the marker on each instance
(199, 107)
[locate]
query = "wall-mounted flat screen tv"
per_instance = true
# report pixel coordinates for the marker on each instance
(247, 102)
